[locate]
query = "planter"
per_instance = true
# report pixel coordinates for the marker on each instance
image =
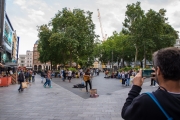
(5, 81)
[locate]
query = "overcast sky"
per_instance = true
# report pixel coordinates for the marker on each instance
(25, 15)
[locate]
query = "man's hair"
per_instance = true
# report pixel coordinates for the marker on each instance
(168, 60)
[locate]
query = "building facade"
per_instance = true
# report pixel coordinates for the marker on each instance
(29, 59)
(8, 38)
(21, 61)
(37, 65)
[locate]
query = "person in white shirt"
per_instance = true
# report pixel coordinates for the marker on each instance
(69, 75)
(97, 71)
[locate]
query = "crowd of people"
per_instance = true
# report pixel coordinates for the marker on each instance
(164, 103)
(125, 76)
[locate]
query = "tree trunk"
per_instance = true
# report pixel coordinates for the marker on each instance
(136, 55)
(144, 57)
(118, 64)
(70, 59)
(122, 65)
(76, 65)
(145, 60)
(51, 65)
(141, 64)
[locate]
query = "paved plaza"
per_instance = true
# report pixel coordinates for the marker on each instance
(62, 102)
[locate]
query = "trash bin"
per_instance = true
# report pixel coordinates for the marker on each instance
(5, 81)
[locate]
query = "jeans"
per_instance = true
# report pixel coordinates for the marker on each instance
(64, 78)
(123, 81)
(29, 79)
(33, 78)
(88, 82)
(48, 81)
(42, 78)
(20, 87)
(127, 81)
(153, 82)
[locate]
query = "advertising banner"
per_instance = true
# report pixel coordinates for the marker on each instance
(7, 35)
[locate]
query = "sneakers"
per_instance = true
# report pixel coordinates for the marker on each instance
(44, 86)
(50, 87)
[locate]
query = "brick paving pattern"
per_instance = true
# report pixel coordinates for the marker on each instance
(60, 103)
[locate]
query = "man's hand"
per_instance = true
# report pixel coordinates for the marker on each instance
(138, 80)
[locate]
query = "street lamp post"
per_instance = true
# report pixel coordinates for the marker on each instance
(112, 62)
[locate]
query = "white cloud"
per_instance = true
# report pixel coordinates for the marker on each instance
(25, 15)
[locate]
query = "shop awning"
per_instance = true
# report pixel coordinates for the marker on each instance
(11, 64)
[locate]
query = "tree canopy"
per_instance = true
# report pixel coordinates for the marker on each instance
(69, 37)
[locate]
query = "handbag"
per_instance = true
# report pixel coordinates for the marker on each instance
(24, 84)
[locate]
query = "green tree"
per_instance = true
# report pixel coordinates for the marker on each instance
(43, 45)
(73, 33)
(133, 17)
(148, 32)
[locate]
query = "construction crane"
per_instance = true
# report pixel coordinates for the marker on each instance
(99, 16)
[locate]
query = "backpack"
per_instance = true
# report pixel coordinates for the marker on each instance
(160, 107)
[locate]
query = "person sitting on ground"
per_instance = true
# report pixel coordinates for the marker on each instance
(143, 107)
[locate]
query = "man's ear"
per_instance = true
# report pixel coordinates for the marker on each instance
(158, 71)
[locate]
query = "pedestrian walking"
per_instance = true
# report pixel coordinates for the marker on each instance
(128, 74)
(69, 75)
(48, 79)
(27, 75)
(123, 78)
(153, 81)
(64, 75)
(33, 76)
(42, 76)
(20, 79)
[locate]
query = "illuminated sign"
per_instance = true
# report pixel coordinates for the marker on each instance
(8, 34)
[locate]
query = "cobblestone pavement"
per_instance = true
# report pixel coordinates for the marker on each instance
(59, 103)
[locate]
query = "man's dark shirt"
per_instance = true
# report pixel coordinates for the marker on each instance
(21, 77)
(142, 107)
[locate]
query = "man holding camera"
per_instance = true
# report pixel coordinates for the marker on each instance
(164, 103)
